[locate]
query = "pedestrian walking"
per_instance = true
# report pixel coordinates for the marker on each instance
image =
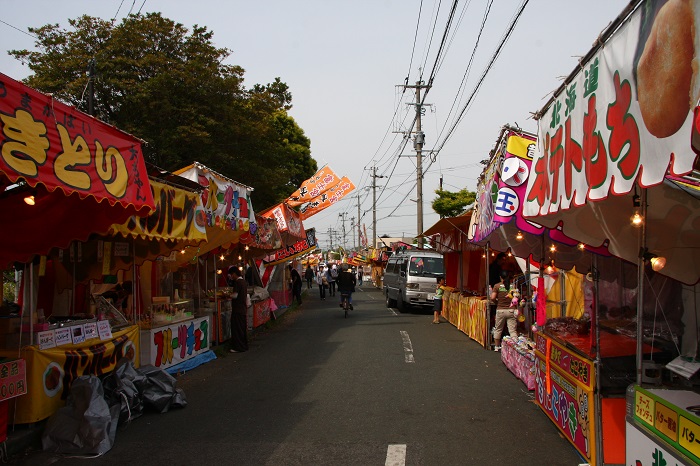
(331, 277)
(295, 279)
(239, 310)
(322, 282)
(309, 275)
(359, 276)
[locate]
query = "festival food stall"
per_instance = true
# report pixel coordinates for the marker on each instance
(58, 168)
(464, 304)
(225, 211)
(614, 169)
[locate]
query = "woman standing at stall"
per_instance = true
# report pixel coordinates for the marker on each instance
(504, 313)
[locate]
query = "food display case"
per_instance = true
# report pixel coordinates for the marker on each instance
(164, 311)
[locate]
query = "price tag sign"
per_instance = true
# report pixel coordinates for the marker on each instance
(47, 339)
(689, 436)
(77, 334)
(104, 330)
(666, 421)
(90, 330)
(63, 337)
(644, 407)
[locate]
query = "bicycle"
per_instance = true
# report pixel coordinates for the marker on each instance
(345, 302)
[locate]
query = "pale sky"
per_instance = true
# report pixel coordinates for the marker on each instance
(343, 62)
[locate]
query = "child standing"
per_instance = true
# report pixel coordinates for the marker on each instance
(437, 300)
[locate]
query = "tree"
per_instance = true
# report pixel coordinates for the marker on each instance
(169, 87)
(452, 204)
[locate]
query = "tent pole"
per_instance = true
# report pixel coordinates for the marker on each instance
(640, 286)
(32, 306)
(597, 365)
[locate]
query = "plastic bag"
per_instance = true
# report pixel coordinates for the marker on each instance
(86, 425)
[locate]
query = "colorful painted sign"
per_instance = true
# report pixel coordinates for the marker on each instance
(172, 344)
(643, 450)
(13, 379)
(172, 219)
(322, 181)
(292, 251)
(627, 114)
(288, 220)
(50, 372)
(45, 141)
(224, 204)
(501, 191)
(564, 391)
(261, 312)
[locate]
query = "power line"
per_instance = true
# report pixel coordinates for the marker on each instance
(504, 40)
(20, 30)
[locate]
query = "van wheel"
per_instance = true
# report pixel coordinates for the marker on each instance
(400, 305)
(390, 302)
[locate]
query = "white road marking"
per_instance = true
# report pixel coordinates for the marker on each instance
(407, 347)
(391, 309)
(395, 455)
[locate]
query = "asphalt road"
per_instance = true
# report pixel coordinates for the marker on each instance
(377, 388)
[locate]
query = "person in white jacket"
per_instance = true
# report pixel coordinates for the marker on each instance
(322, 282)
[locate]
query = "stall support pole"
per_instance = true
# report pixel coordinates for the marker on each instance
(597, 367)
(640, 287)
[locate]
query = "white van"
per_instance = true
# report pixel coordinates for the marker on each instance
(410, 278)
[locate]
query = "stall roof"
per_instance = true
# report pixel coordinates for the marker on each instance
(447, 224)
(84, 175)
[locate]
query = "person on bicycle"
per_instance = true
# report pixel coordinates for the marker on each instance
(346, 284)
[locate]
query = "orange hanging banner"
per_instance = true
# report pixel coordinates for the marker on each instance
(327, 199)
(322, 181)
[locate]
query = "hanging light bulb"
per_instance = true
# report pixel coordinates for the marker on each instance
(581, 246)
(483, 255)
(247, 248)
(519, 236)
(30, 200)
(553, 248)
(239, 257)
(637, 220)
(221, 257)
(219, 271)
(182, 251)
(658, 263)
(510, 254)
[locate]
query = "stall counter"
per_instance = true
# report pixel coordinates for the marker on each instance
(175, 342)
(51, 371)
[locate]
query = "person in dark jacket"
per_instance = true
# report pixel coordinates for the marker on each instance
(296, 283)
(239, 311)
(346, 284)
(309, 275)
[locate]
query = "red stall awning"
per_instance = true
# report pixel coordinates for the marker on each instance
(84, 175)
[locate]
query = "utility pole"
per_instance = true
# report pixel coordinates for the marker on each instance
(330, 235)
(352, 227)
(91, 88)
(359, 231)
(374, 205)
(418, 142)
(343, 216)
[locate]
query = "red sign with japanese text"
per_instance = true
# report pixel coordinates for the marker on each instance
(13, 379)
(45, 141)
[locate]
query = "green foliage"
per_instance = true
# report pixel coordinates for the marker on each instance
(8, 286)
(451, 204)
(169, 87)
